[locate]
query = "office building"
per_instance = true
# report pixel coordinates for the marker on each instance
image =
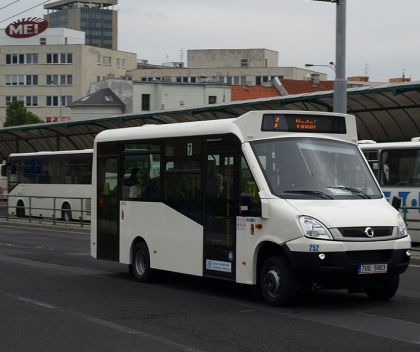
(96, 18)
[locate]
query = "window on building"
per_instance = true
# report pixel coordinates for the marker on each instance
(11, 99)
(145, 102)
(21, 59)
(42, 41)
(212, 99)
(32, 101)
(59, 58)
(244, 62)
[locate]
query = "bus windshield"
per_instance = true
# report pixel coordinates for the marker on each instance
(311, 168)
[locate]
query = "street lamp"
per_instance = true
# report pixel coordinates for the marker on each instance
(330, 65)
(340, 82)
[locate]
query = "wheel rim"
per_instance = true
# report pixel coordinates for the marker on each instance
(272, 282)
(140, 263)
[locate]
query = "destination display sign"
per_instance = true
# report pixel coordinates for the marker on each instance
(303, 123)
(26, 27)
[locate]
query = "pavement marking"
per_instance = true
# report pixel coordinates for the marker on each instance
(37, 303)
(104, 323)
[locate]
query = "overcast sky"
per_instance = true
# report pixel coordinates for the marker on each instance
(383, 36)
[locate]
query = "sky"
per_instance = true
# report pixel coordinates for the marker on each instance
(383, 36)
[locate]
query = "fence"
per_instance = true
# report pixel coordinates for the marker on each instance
(36, 209)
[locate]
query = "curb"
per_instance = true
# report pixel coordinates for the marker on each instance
(82, 230)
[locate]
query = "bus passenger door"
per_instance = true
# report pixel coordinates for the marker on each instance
(220, 214)
(107, 208)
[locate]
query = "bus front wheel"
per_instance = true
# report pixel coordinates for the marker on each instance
(140, 267)
(277, 283)
(384, 288)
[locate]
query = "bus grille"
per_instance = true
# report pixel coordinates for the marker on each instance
(359, 232)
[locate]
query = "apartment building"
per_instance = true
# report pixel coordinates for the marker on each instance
(51, 70)
(226, 66)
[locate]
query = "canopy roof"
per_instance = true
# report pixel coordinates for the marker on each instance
(383, 113)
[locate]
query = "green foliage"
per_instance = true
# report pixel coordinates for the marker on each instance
(17, 114)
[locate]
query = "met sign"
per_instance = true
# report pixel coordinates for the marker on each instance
(26, 27)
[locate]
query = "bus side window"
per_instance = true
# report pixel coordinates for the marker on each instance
(250, 203)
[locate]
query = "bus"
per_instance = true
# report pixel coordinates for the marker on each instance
(50, 184)
(396, 166)
(282, 200)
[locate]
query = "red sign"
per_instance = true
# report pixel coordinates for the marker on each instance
(26, 27)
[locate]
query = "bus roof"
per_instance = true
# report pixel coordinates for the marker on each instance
(390, 145)
(61, 152)
(247, 127)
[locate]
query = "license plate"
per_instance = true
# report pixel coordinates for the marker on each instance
(372, 268)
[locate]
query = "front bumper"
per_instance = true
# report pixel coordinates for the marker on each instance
(338, 267)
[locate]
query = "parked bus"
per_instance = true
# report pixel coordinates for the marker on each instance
(279, 199)
(50, 184)
(396, 166)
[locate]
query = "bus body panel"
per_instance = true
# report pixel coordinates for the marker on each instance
(41, 206)
(348, 213)
(175, 242)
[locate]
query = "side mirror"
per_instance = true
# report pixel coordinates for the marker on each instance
(396, 202)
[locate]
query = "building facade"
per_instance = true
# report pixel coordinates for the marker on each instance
(226, 66)
(94, 17)
(158, 96)
(48, 77)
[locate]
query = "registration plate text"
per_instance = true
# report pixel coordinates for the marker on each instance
(372, 268)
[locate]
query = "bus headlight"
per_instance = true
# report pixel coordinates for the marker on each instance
(313, 228)
(402, 229)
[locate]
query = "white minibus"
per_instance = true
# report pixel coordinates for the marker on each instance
(279, 199)
(50, 184)
(396, 166)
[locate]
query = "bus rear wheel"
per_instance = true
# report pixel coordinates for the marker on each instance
(66, 212)
(277, 283)
(20, 209)
(384, 288)
(140, 267)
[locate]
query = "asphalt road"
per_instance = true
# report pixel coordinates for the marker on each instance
(55, 297)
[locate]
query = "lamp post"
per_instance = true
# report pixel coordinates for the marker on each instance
(330, 65)
(340, 82)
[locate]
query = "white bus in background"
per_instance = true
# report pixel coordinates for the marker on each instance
(40, 182)
(279, 199)
(396, 166)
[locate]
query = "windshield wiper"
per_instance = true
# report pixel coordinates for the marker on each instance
(353, 190)
(317, 193)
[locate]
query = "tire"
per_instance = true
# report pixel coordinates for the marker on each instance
(140, 267)
(384, 288)
(277, 284)
(20, 209)
(66, 212)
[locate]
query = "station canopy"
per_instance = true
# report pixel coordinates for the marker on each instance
(383, 113)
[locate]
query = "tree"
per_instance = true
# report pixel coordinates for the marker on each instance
(17, 114)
